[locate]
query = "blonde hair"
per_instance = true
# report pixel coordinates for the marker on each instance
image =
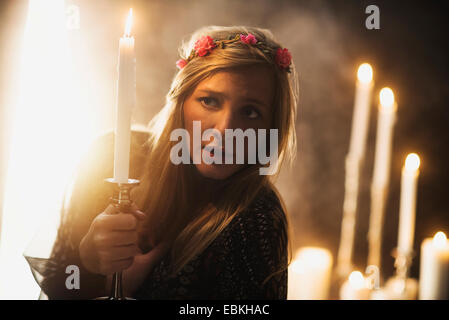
(165, 189)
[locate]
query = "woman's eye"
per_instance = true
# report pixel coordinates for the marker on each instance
(251, 113)
(208, 102)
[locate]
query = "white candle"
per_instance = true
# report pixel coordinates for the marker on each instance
(309, 274)
(126, 99)
(385, 123)
(355, 287)
(379, 184)
(361, 111)
(434, 270)
(410, 173)
(353, 160)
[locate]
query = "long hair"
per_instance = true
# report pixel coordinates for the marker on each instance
(166, 191)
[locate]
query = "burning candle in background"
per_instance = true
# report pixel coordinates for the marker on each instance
(309, 274)
(353, 161)
(434, 270)
(379, 185)
(361, 110)
(355, 287)
(410, 173)
(126, 99)
(386, 120)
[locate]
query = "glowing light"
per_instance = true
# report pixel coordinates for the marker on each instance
(440, 240)
(312, 258)
(129, 23)
(386, 96)
(365, 73)
(412, 162)
(356, 280)
(51, 127)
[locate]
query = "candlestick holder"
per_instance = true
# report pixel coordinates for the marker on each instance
(401, 286)
(122, 200)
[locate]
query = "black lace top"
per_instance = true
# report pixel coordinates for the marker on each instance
(234, 266)
(241, 263)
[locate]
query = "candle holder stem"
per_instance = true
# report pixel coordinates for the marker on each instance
(402, 263)
(401, 286)
(122, 200)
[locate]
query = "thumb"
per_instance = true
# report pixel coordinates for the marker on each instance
(136, 212)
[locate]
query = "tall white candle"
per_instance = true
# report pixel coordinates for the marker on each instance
(309, 274)
(379, 186)
(361, 110)
(354, 158)
(126, 99)
(434, 270)
(410, 173)
(385, 124)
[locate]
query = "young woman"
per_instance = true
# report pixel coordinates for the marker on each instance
(198, 230)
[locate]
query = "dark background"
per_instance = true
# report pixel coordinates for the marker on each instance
(328, 41)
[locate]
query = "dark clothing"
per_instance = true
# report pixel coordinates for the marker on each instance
(234, 266)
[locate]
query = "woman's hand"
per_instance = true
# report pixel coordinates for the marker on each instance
(111, 243)
(143, 265)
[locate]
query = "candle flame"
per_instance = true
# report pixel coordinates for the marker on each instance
(412, 162)
(356, 280)
(129, 23)
(439, 240)
(365, 73)
(386, 97)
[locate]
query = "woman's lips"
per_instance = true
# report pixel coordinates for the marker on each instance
(211, 151)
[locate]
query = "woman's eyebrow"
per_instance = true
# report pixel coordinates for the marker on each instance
(254, 100)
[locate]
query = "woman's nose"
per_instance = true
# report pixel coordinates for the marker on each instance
(225, 120)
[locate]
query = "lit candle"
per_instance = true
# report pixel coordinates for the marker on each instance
(126, 99)
(385, 123)
(361, 110)
(355, 287)
(434, 270)
(410, 173)
(379, 184)
(309, 274)
(352, 166)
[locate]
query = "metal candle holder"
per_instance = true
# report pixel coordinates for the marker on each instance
(404, 287)
(403, 261)
(122, 200)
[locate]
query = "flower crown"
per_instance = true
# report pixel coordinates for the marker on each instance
(205, 44)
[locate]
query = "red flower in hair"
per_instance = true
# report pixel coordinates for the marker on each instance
(283, 58)
(181, 63)
(249, 39)
(204, 45)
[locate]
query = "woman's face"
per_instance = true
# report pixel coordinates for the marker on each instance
(237, 99)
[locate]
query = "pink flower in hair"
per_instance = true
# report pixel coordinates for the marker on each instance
(181, 63)
(204, 45)
(283, 58)
(249, 39)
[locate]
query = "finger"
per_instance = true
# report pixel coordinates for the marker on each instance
(139, 215)
(154, 254)
(119, 221)
(119, 253)
(135, 211)
(111, 209)
(116, 238)
(117, 266)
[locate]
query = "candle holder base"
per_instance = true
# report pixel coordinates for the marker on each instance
(114, 299)
(397, 288)
(401, 286)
